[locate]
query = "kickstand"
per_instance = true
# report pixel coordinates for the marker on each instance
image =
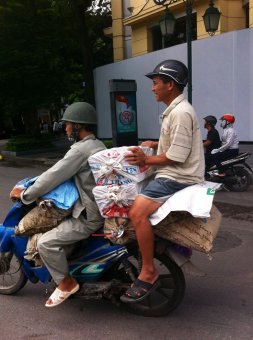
(225, 188)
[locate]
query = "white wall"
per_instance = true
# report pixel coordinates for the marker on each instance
(222, 83)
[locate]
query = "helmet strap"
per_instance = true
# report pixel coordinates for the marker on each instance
(224, 124)
(74, 137)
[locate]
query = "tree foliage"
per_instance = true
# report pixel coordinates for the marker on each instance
(48, 51)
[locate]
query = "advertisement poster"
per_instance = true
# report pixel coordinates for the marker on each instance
(126, 113)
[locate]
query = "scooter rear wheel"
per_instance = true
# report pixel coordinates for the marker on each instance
(168, 296)
(12, 277)
(243, 180)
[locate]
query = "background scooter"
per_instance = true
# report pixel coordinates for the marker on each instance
(238, 176)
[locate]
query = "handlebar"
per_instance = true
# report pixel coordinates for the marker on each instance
(16, 200)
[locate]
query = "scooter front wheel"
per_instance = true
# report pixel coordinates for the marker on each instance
(12, 277)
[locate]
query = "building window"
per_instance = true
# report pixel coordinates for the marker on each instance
(246, 9)
(156, 36)
(179, 37)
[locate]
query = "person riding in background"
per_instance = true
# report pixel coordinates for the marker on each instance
(212, 140)
(229, 143)
(80, 118)
(179, 162)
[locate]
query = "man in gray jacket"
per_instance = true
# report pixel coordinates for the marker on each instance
(81, 123)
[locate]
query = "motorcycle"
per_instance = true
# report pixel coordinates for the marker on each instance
(102, 268)
(238, 174)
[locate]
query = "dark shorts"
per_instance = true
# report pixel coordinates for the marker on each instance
(160, 189)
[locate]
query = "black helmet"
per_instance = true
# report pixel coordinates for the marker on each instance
(173, 69)
(211, 119)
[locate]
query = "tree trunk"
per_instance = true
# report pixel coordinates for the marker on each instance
(78, 10)
(31, 122)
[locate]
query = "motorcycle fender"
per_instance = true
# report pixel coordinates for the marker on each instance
(185, 263)
(178, 258)
(5, 238)
(162, 247)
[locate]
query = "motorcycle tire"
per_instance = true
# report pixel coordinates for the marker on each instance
(243, 180)
(12, 276)
(168, 296)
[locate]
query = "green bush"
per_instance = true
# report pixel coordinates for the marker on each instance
(25, 142)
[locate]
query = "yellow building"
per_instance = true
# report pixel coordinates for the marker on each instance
(135, 23)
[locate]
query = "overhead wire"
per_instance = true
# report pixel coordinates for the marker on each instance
(147, 1)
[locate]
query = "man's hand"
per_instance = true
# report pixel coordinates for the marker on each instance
(150, 144)
(214, 151)
(15, 193)
(136, 156)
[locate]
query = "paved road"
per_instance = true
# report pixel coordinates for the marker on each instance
(236, 198)
(217, 306)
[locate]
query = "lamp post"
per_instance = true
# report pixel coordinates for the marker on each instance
(167, 25)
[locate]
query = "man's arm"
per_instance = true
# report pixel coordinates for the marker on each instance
(63, 170)
(138, 157)
(230, 137)
(207, 143)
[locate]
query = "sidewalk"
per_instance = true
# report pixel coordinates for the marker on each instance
(39, 157)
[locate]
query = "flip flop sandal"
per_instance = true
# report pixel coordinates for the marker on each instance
(138, 290)
(60, 296)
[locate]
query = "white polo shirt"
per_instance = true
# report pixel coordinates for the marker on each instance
(181, 141)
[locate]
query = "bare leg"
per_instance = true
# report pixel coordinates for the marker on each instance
(139, 215)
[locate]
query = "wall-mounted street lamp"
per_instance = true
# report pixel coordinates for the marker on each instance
(167, 25)
(211, 19)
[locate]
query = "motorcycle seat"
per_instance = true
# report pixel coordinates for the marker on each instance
(237, 159)
(243, 154)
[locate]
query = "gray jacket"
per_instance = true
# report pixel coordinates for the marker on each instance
(73, 164)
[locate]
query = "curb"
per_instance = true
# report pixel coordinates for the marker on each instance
(6, 153)
(30, 161)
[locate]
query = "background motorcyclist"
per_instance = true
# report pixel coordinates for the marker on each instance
(80, 118)
(212, 140)
(229, 143)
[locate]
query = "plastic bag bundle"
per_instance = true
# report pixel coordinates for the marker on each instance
(116, 200)
(110, 168)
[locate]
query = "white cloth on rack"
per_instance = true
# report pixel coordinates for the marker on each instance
(197, 199)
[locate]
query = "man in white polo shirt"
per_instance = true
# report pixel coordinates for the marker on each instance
(179, 162)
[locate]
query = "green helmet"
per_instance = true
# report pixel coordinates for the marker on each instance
(80, 112)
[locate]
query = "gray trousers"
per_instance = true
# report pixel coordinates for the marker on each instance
(51, 245)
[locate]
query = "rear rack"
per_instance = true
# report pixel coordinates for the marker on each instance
(236, 159)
